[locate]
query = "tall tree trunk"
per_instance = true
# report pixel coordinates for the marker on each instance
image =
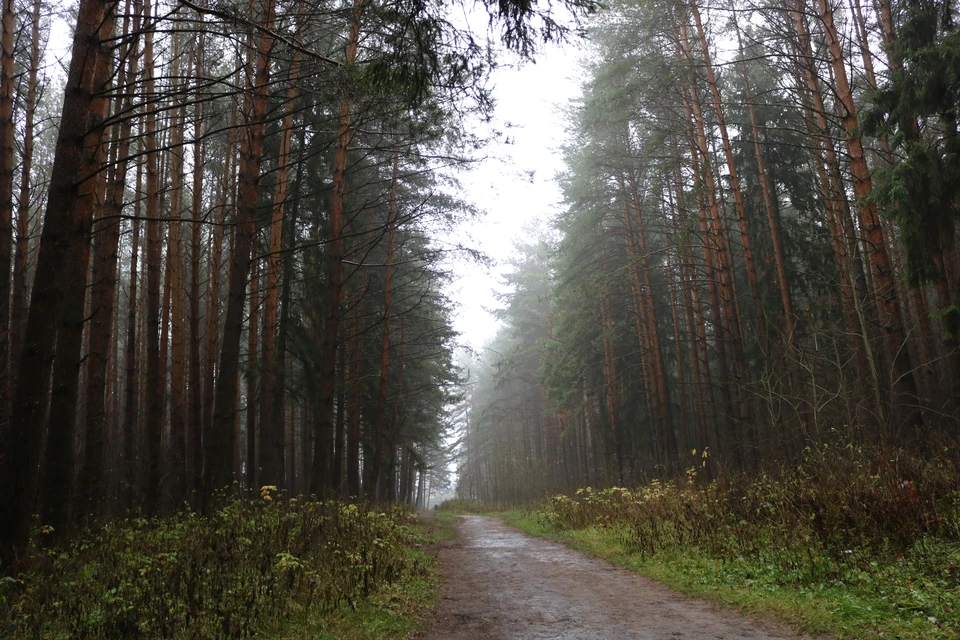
(225, 200)
(768, 200)
(271, 435)
(381, 415)
(328, 356)
(854, 292)
(60, 278)
(131, 403)
(154, 375)
(18, 308)
(220, 449)
(294, 472)
(254, 455)
(726, 331)
(103, 294)
(195, 421)
(6, 198)
(667, 435)
(694, 316)
(734, 181)
(176, 467)
(895, 339)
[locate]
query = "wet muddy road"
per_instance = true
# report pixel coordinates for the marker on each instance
(501, 583)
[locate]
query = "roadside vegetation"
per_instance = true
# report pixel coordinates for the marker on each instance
(273, 567)
(846, 544)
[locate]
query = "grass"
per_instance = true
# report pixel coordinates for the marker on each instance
(819, 611)
(269, 568)
(846, 545)
(397, 611)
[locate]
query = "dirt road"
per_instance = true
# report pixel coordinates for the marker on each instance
(501, 583)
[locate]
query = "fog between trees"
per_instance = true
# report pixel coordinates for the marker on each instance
(225, 271)
(756, 254)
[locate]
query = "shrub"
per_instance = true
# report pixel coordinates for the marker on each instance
(249, 565)
(838, 509)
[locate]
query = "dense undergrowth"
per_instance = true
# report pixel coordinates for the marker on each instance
(855, 545)
(253, 568)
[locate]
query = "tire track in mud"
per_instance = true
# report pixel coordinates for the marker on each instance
(501, 583)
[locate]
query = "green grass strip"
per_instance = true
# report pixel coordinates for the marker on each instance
(897, 599)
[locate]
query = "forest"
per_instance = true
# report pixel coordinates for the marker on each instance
(229, 374)
(228, 228)
(755, 258)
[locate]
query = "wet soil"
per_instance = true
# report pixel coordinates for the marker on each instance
(500, 583)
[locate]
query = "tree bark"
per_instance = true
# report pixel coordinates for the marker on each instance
(131, 402)
(667, 435)
(154, 375)
(6, 197)
(195, 422)
(221, 444)
(768, 201)
(61, 274)
(895, 339)
(18, 308)
(254, 455)
(271, 435)
(726, 331)
(328, 356)
(225, 200)
(175, 475)
(103, 294)
(734, 181)
(381, 415)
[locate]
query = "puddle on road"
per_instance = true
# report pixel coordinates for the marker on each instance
(503, 544)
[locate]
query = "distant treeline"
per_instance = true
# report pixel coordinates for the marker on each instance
(757, 250)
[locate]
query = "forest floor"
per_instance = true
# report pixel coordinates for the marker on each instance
(498, 582)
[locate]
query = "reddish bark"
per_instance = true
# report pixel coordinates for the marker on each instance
(221, 442)
(7, 23)
(895, 339)
(103, 294)
(60, 280)
(328, 356)
(271, 435)
(379, 426)
(769, 204)
(734, 180)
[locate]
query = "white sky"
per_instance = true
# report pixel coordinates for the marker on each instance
(515, 184)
